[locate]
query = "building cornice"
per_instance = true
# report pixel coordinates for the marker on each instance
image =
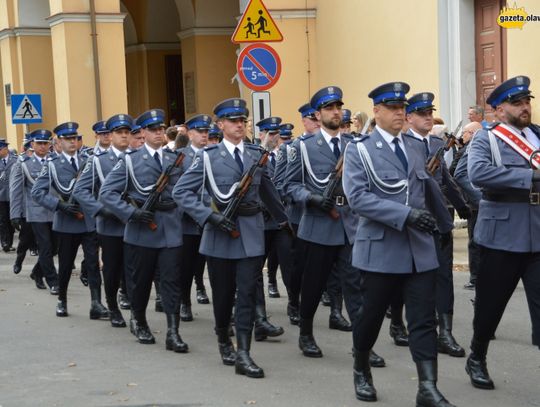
(25, 32)
(153, 46)
(285, 14)
(85, 18)
(196, 31)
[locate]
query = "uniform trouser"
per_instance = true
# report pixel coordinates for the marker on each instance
(6, 229)
(499, 274)
(272, 263)
(333, 284)
(27, 240)
(318, 263)
(129, 270)
(367, 296)
(145, 261)
(68, 244)
(228, 276)
(279, 242)
(112, 255)
(192, 264)
(444, 244)
(297, 271)
(46, 241)
(474, 249)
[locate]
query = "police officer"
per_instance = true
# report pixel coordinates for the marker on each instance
(192, 261)
(233, 263)
(110, 229)
(7, 160)
(53, 190)
(420, 118)
(103, 137)
(346, 122)
(327, 224)
(38, 218)
(508, 218)
(214, 134)
(153, 237)
(386, 183)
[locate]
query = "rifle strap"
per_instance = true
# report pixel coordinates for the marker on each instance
(304, 156)
(131, 176)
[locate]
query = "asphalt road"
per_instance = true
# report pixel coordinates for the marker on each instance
(50, 361)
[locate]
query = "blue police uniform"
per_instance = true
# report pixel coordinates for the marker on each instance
(233, 263)
(124, 192)
(53, 189)
(110, 229)
(386, 184)
(6, 229)
(38, 218)
(326, 239)
(507, 225)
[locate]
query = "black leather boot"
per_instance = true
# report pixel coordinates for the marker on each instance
(226, 347)
(376, 360)
(398, 332)
(293, 312)
(139, 327)
(17, 267)
(263, 328)
(337, 320)
(97, 309)
(185, 312)
(476, 366)
(123, 300)
(363, 382)
(174, 341)
(325, 299)
(244, 365)
(446, 342)
(117, 319)
(159, 305)
(202, 297)
(61, 308)
(306, 341)
(428, 394)
(273, 291)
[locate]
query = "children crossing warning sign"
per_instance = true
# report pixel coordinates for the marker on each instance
(256, 25)
(26, 108)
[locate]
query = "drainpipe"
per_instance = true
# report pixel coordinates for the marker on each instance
(96, 58)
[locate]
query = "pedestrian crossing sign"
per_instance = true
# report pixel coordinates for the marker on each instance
(256, 25)
(26, 108)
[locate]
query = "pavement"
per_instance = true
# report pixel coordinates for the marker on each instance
(50, 361)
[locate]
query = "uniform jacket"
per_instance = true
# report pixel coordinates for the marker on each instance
(513, 227)
(47, 193)
(316, 225)
(5, 171)
(383, 242)
(146, 171)
(294, 209)
(87, 189)
(189, 226)
(195, 182)
(23, 176)
(462, 179)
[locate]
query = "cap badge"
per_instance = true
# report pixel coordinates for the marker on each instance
(236, 103)
(520, 80)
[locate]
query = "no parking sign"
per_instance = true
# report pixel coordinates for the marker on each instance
(258, 67)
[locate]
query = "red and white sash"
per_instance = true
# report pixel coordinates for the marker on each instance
(518, 143)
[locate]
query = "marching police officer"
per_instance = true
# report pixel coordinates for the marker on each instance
(7, 160)
(501, 163)
(386, 183)
(327, 224)
(420, 118)
(53, 190)
(233, 263)
(214, 134)
(38, 218)
(153, 236)
(103, 137)
(110, 229)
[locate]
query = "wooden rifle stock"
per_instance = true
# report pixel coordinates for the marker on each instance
(333, 182)
(435, 162)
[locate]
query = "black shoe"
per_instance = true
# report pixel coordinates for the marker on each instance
(428, 394)
(264, 329)
(338, 321)
(8, 249)
(174, 341)
(97, 309)
(363, 382)
(273, 291)
(388, 313)
(54, 290)
(84, 279)
(61, 309)
(469, 286)
(294, 314)
(227, 352)
(325, 299)
(117, 320)
(17, 268)
(309, 347)
(159, 305)
(185, 313)
(399, 334)
(40, 284)
(477, 371)
(141, 330)
(376, 360)
(244, 365)
(446, 342)
(33, 252)
(202, 298)
(123, 301)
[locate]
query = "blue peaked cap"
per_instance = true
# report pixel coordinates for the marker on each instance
(119, 121)
(390, 93)
(200, 121)
(67, 129)
(326, 96)
(513, 89)
(151, 118)
(420, 101)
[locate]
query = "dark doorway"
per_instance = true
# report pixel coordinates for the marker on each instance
(175, 94)
(490, 50)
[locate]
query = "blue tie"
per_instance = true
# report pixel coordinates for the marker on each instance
(335, 141)
(272, 159)
(238, 159)
(426, 145)
(73, 164)
(400, 154)
(156, 157)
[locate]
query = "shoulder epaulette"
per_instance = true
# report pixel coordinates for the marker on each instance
(491, 126)
(253, 147)
(101, 153)
(362, 137)
(434, 136)
(414, 138)
(208, 148)
(52, 158)
(347, 135)
(306, 136)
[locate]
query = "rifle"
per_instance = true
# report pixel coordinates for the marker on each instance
(435, 162)
(241, 190)
(159, 187)
(78, 215)
(333, 183)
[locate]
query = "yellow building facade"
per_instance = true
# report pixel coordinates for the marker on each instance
(90, 59)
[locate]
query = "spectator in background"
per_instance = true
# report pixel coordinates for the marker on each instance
(359, 120)
(181, 141)
(171, 133)
(437, 120)
(477, 114)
